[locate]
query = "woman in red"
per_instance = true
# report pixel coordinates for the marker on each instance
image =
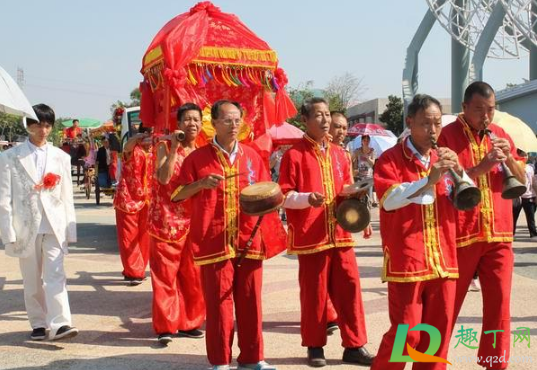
(178, 305)
(131, 203)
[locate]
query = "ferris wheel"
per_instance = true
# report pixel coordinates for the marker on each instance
(466, 19)
(523, 14)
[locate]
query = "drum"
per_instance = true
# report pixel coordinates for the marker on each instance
(261, 198)
(353, 215)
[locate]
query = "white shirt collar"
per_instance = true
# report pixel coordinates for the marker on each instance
(34, 148)
(422, 158)
(234, 151)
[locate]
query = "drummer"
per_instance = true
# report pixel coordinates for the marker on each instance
(313, 172)
(213, 176)
(420, 258)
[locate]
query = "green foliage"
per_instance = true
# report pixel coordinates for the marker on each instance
(56, 136)
(393, 115)
(135, 96)
(11, 127)
(298, 95)
(336, 104)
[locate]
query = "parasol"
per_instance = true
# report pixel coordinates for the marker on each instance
(368, 129)
(378, 142)
(285, 134)
(83, 123)
(12, 99)
(522, 135)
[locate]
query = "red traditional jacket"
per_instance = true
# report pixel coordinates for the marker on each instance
(169, 221)
(219, 229)
(306, 168)
(418, 240)
(491, 220)
(133, 191)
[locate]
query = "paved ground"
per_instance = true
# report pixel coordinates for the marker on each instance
(115, 319)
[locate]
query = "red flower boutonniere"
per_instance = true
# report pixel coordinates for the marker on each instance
(50, 180)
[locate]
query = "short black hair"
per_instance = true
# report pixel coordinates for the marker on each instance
(307, 105)
(142, 129)
(185, 108)
(337, 113)
(480, 88)
(44, 113)
(76, 120)
(215, 109)
(422, 102)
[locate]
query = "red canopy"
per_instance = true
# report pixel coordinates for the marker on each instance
(206, 55)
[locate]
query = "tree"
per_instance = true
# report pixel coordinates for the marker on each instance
(11, 127)
(302, 92)
(393, 115)
(135, 96)
(344, 91)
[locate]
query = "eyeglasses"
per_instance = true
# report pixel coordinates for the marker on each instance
(230, 121)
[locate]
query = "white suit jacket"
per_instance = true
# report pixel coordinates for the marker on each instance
(20, 216)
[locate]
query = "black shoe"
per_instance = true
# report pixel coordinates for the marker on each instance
(65, 332)
(134, 281)
(194, 333)
(38, 334)
(316, 357)
(164, 338)
(331, 327)
(358, 356)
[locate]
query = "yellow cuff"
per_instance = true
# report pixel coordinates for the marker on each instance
(176, 192)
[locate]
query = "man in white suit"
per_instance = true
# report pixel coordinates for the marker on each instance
(37, 220)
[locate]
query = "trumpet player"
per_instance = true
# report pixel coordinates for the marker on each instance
(178, 305)
(484, 236)
(417, 226)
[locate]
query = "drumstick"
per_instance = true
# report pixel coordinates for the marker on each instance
(235, 175)
(250, 241)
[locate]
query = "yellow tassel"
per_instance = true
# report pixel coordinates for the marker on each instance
(238, 54)
(191, 78)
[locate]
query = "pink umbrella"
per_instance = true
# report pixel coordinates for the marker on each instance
(371, 129)
(285, 134)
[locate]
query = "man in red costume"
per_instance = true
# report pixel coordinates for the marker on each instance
(178, 305)
(213, 177)
(485, 233)
(312, 174)
(131, 203)
(420, 258)
(73, 132)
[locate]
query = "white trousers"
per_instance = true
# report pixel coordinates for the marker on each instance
(45, 293)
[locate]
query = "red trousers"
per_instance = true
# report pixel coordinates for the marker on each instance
(133, 241)
(428, 302)
(177, 294)
(494, 265)
(331, 314)
(225, 285)
(335, 272)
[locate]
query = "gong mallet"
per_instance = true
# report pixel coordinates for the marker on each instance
(250, 241)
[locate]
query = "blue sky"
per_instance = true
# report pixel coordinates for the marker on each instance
(80, 57)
